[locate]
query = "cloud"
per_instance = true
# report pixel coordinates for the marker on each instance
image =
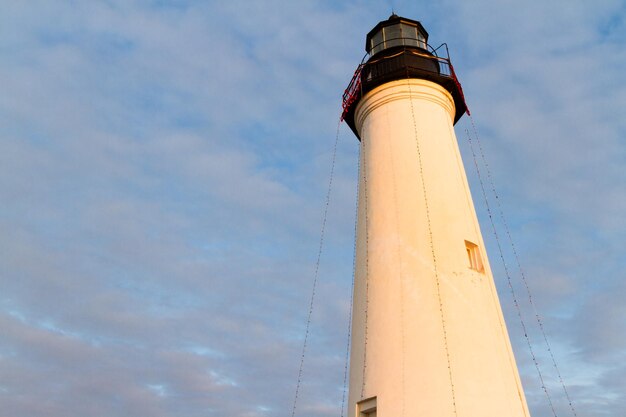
(163, 169)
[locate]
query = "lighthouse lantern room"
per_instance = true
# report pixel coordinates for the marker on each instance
(398, 48)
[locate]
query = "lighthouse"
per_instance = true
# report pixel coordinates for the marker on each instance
(428, 334)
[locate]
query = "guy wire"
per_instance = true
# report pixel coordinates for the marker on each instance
(316, 273)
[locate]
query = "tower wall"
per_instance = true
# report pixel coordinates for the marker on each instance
(413, 269)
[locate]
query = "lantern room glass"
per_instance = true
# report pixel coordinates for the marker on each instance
(396, 35)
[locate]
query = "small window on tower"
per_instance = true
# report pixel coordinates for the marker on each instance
(473, 256)
(366, 408)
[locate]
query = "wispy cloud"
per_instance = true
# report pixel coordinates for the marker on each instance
(162, 173)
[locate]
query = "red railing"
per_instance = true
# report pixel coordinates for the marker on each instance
(458, 84)
(353, 91)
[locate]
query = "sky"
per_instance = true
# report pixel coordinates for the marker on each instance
(163, 173)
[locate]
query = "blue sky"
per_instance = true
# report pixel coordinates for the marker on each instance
(163, 169)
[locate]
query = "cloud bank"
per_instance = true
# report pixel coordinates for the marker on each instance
(163, 167)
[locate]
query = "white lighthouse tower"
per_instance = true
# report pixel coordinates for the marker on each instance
(428, 335)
